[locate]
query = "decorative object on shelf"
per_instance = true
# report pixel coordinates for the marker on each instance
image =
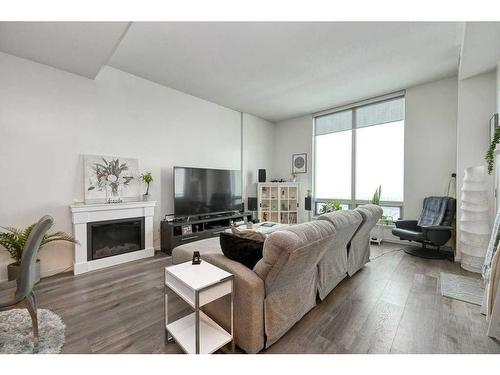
(14, 241)
(376, 195)
(474, 220)
(294, 177)
(331, 206)
(187, 229)
(494, 140)
(109, 179)
(196, 257)
(299, 163)
(147, 178)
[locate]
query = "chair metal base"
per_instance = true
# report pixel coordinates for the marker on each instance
(424, 252)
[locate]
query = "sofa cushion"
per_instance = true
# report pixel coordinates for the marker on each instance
(359, 252)
(244, 250)
(333, 267)
(289, 271)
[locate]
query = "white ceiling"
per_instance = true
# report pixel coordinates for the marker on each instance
(282, 70)
(272, 70)
(480, 48)
(77, 47)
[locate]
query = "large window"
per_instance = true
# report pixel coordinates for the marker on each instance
(356, 150)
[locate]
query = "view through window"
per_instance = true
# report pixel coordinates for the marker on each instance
(359, 149)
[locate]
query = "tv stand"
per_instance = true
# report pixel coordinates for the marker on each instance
(174, 232)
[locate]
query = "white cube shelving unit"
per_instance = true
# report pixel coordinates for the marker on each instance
(278, 202)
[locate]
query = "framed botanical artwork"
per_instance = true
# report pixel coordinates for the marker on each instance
(299, 163)
(110, 179)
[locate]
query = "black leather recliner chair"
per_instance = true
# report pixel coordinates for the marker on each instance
(432, 228)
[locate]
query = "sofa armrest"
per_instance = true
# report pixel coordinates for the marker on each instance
(407, 224)
(249, 293)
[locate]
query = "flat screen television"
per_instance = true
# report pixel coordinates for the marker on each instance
(206, 191)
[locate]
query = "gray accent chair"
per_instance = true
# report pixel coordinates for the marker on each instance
(333, 266)
(23, 296)
(358, 253)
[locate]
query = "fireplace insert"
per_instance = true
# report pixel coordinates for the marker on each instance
(114, 237)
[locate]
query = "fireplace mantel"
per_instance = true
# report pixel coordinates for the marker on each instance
(86, 213)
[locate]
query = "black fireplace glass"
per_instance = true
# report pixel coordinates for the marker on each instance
(114, 237)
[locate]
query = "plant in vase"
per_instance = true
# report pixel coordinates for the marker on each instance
(331, 206)
(147, 178)
(14, 241)
(376, 195)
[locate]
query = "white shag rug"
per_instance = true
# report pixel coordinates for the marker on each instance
(463, 288)
(16, 332)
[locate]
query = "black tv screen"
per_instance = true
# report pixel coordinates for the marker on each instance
(206, 191)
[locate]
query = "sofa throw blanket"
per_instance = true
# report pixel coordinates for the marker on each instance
(433, 211)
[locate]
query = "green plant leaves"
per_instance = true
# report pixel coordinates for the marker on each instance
(14, 240)
(490, 154)
(376, 195)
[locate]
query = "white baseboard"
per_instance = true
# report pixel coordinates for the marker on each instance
(79, 268)
(48, 273)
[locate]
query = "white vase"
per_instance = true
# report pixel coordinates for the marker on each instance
(474, 219)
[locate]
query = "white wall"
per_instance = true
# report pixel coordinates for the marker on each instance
(49, 118)
(294, 137)
(257, 151)
(498, 88)
(430, 142)
(476, 105)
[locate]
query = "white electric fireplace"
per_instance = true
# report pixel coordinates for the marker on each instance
(111, 234)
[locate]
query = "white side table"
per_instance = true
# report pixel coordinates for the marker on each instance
(377, 234)
(198, 285)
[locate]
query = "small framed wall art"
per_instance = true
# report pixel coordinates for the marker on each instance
(299, 163)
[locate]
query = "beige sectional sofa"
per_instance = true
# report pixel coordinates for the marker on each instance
(299, 263)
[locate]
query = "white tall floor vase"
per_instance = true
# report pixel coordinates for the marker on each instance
(474, 220)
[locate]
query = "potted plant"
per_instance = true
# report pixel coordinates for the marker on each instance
(376, 195)
(14, 241)
(330, 207)
(490, 154)
(147, 178)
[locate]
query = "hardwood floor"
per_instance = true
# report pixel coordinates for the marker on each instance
(393, 305)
